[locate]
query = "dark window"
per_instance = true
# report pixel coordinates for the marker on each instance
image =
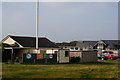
(76, 48)
(65, 47)
(72, 48)
(61, 48)
(104, 52)
(110, 52)
(56, 52)
(66, 53)
(81, 49)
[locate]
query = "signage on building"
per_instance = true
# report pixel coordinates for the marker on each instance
(40, 56)
(50, 56)
(28, 56)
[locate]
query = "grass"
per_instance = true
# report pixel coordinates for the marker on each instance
(101, 69)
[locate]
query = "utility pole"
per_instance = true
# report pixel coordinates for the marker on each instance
(37, 23)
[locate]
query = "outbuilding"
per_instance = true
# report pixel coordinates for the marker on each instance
(84, 56)
(63, 55)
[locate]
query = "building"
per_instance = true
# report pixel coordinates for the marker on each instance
(15, 46)
(63, 56)
(85, 56)
(79, 45)
(80, 51)
(109, 45)
(91, 43)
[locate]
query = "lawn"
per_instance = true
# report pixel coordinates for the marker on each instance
(101, 69)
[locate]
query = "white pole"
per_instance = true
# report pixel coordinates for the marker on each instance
(37, 22)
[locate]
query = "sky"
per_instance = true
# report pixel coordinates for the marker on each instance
(62, 21)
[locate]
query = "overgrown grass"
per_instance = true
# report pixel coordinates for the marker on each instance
(101, 69)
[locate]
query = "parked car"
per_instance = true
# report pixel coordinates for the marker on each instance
(99, 55)
(117, 55)
(107, 52)
(105, 55)
(102, 57)
(110, 56)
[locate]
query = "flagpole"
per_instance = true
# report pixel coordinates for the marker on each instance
(37, 23)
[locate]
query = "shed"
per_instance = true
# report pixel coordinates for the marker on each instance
(85, 56)
(63, 56)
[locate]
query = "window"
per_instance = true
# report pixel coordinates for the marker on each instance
(81, 49)
(56, 52)
(76, 48)
(72, 48)
(104, 52)
(61, 48)
(66, 53)
(110, 52)
(65, 47)
(100, 44)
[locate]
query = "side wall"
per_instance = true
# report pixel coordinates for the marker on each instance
(62, 58)
(32, 50)
(85, 56)
(89, 56)
(75, 53)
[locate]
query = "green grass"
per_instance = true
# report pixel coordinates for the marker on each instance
(101, 69)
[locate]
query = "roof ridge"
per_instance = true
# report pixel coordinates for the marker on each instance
(26, 36)
(90, 41)
(110, 40)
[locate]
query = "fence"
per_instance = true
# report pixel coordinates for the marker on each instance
(42, 58)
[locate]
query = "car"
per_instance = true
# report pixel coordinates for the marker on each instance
(105, 55)
(110, 56)
(107, 52)
(101, 57)
(117, 55)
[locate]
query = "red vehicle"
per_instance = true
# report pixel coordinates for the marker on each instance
(117, 55)
(109, 55)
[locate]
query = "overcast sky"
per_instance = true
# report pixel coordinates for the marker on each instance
(62, 21)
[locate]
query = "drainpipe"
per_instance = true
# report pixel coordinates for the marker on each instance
(12, 56)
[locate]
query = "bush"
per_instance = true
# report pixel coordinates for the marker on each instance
(74, 59)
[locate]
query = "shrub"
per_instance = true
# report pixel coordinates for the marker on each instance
(74, 59)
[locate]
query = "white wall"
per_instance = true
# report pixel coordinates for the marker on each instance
(10, 41)
(51, 51)
(61, 56)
